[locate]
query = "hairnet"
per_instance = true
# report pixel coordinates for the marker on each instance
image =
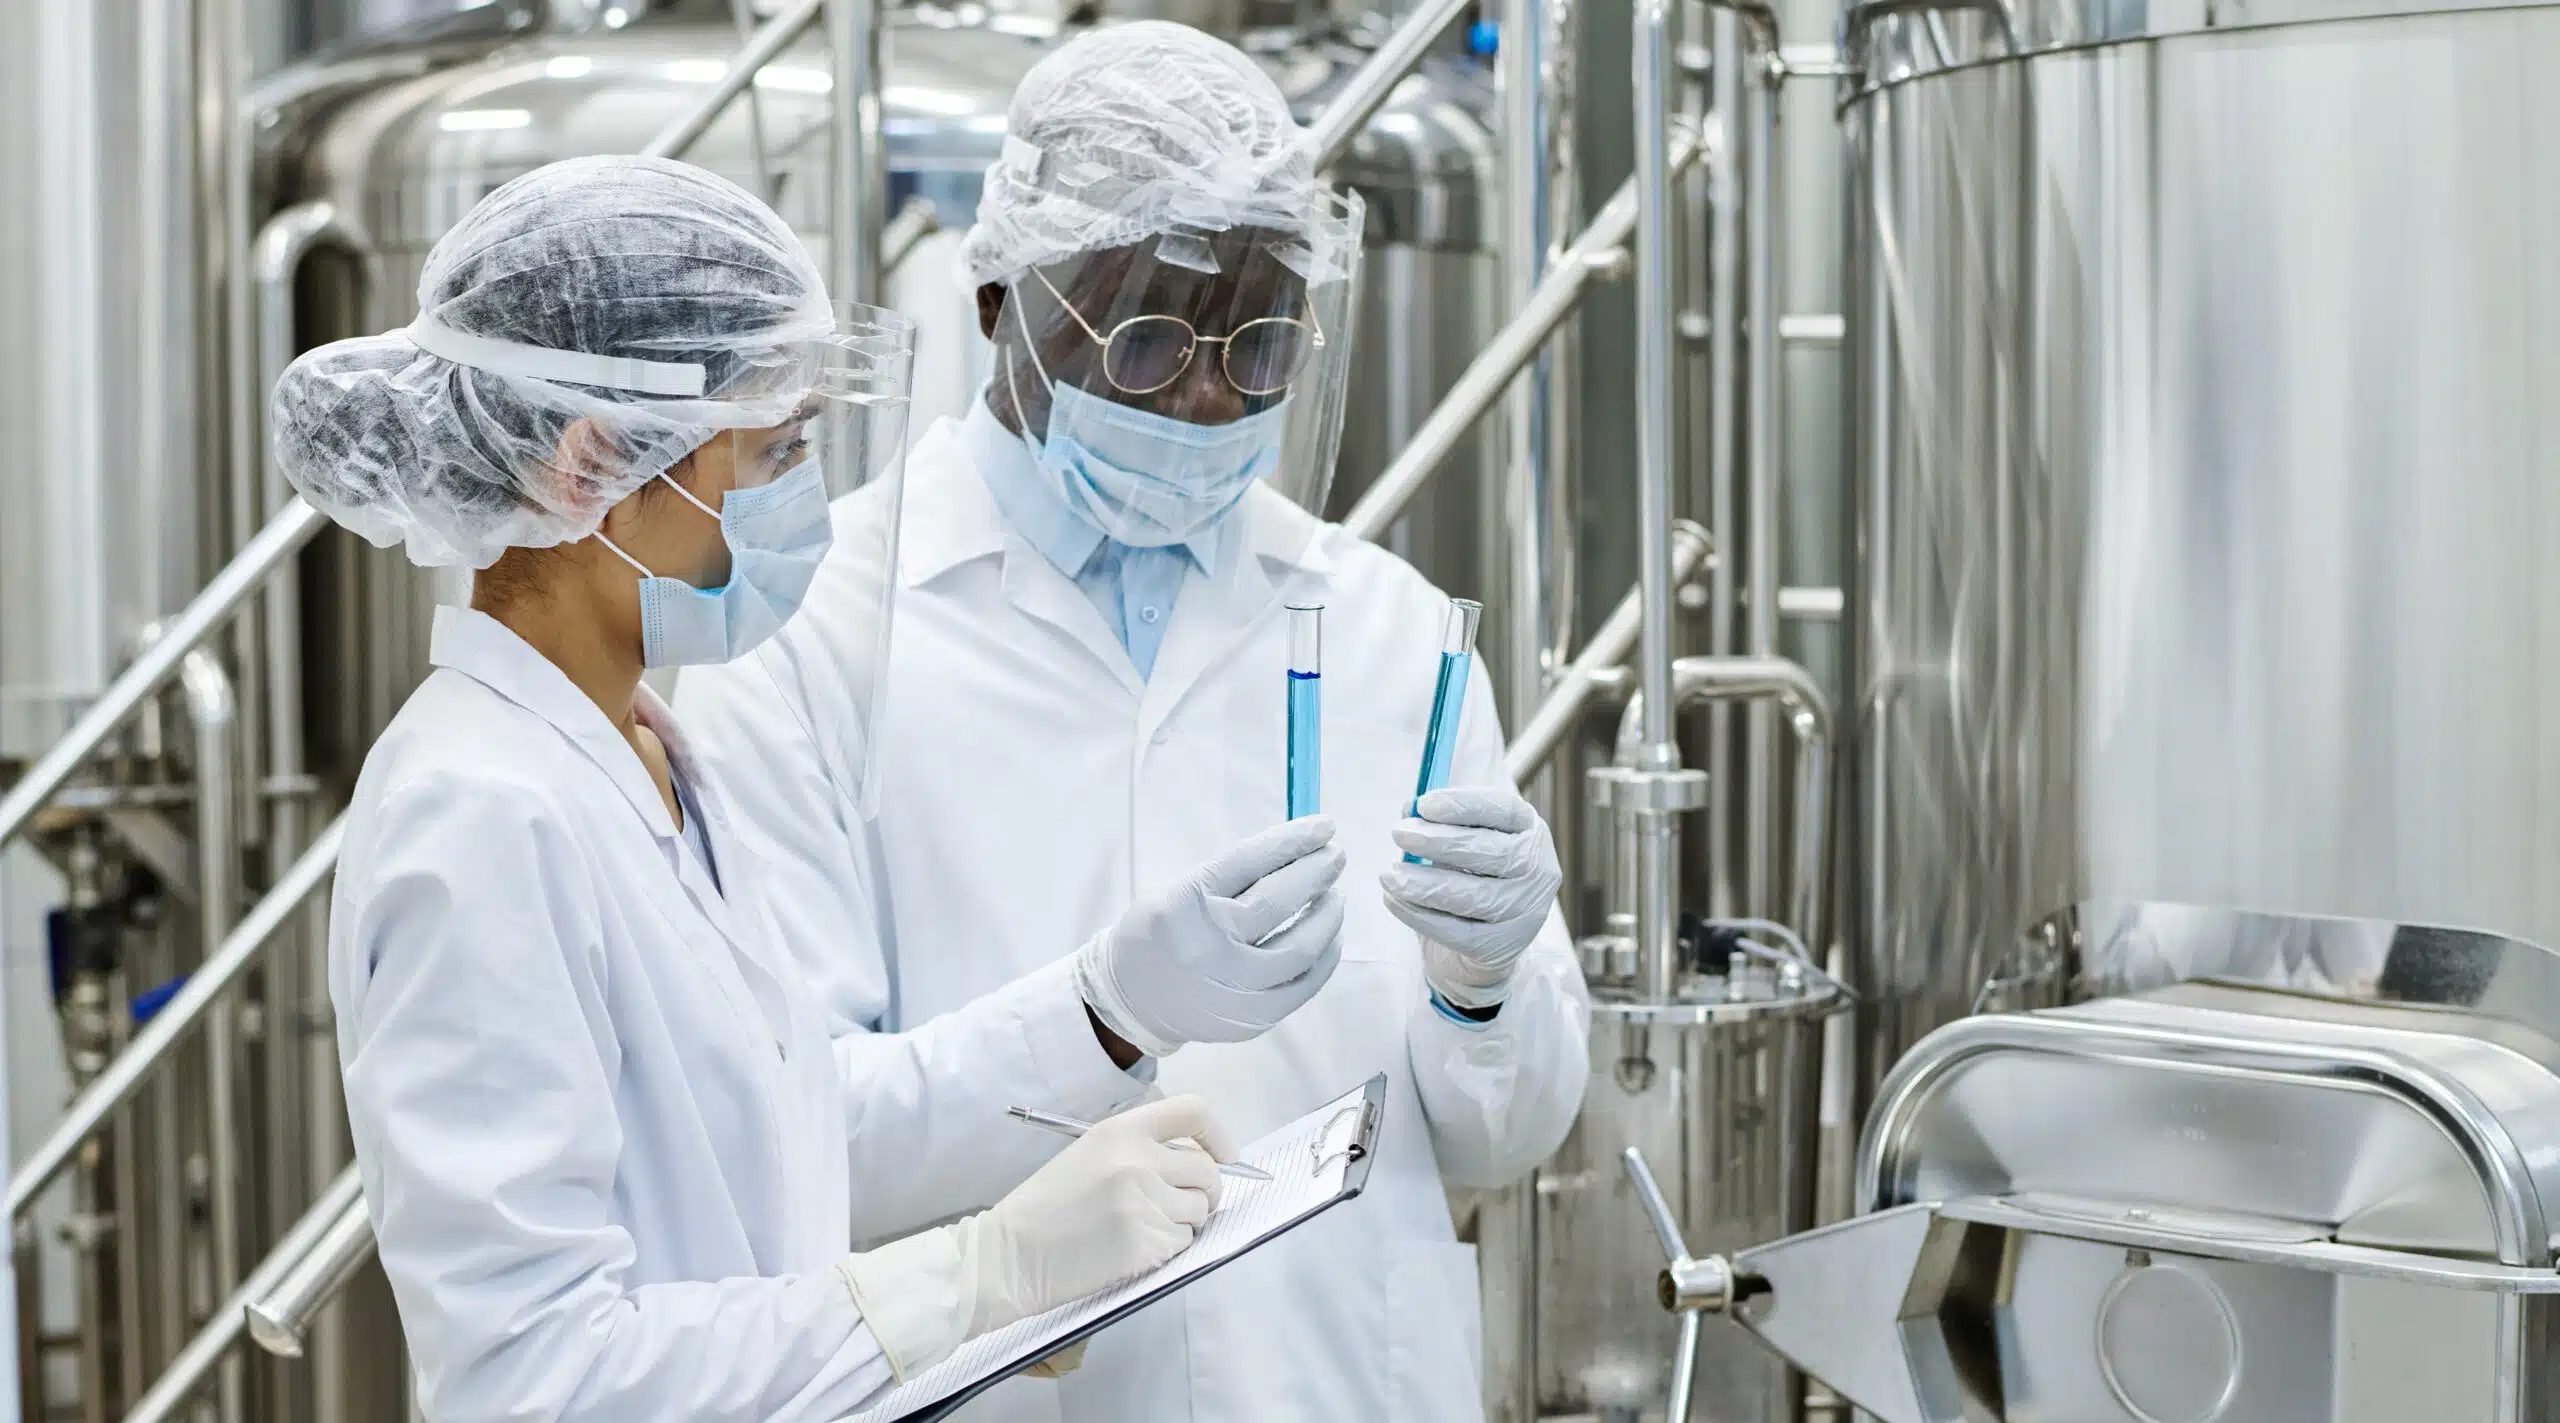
(1143, 130)
(598, 319)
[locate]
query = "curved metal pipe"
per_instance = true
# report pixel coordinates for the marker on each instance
(916, 221)
(218, 972)
(279, 1318)
(1809, 718)
(287, 532)
(213, 1342)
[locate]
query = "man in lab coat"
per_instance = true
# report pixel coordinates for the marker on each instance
(1089, 658)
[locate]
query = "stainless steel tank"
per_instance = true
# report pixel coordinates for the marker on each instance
(2202, 357)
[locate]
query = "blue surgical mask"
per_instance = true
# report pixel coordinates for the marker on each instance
(1143, 479)
(777, 534)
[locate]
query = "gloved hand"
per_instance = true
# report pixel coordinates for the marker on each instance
(1485, 895)
(1200, 963)
(1120, 1200)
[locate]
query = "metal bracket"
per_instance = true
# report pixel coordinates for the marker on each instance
(1668, 792)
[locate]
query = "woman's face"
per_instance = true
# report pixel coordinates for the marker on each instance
(674, 539)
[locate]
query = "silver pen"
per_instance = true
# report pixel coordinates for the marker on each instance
(1069, 1126)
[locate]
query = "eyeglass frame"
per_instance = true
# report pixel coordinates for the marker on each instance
(1314, 332)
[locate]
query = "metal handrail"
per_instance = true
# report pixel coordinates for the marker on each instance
(1598, 251)
(1546, 727)
(275, 545)
(186, 1372)
(279, 1318)
(116, 1085)
(769, 40)
(1371, 85)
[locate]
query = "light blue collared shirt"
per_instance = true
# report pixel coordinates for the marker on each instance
(1133, 588)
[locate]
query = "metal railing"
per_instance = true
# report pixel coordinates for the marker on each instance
(769, 41)
(1597, 252)
(1375, 81)
(284, 535)
(1547, 727)
(212, 1343)
(221, 969)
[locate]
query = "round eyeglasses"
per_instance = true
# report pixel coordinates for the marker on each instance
(1144, 354)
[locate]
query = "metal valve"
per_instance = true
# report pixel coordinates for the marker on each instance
(1688, 1286)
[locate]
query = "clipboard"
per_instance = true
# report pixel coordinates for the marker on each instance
(1341, 1135)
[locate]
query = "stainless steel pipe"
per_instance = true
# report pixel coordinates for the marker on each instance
(287, 532)
(858, 165)
(211, 979)
(1809, 720)
(279, 1318)
(1596, 253)
(1656, 316)
(1756, 149)
(1369, 87)
(1546, 728)
(213, 717)
(769, 40)
(213, 1342)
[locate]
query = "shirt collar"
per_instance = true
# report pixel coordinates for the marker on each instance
(1035, 508)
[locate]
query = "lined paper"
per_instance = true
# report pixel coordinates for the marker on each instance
(1247, 1212)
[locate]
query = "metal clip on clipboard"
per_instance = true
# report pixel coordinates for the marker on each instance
(1349, 1136)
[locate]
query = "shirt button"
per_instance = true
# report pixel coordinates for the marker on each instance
(1149, 615)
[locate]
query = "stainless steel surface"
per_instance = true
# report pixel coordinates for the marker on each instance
(1756, 124)
(858, 159)
(1657, 313)
(150, 671)
(1369, 87)
(768, 42)
(282, 1315)
(1596, 252)
(1532, 600)
(2215, 575)
(213, 1343)
(1809, 722)
(131, 1067)
(2303, 1201)
(1538, 736)
(213, 719)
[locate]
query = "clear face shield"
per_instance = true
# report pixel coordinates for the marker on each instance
(1160, 381)
(840, 447)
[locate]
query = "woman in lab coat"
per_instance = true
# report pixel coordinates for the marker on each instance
(611, 1149)
(1096, 568)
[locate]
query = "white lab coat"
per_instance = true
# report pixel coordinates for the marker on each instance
(1035, 786)
(610, 1152)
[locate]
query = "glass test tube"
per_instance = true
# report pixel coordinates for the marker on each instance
(1448, 700)
(1306, 699)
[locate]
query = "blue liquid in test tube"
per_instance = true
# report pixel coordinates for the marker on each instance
(1448, 700)
(1306, 701)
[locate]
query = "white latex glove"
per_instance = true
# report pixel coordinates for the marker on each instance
(1485, 895)
(1202, 963)
(1120, 1200)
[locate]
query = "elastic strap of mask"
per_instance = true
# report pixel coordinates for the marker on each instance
(618, 553)
(514, 358)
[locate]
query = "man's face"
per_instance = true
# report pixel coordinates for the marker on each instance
(1121, 295)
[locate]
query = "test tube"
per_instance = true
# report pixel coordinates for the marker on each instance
(1306, 700)
(1448, 700)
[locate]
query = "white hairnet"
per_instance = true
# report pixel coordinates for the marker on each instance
(590, 324)
(1136, 131)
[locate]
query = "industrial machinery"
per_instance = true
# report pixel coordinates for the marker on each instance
(2280, 1169)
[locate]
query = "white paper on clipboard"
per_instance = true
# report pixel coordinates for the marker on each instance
(1317, 1161)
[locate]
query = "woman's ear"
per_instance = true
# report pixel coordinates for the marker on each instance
(990, 307)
